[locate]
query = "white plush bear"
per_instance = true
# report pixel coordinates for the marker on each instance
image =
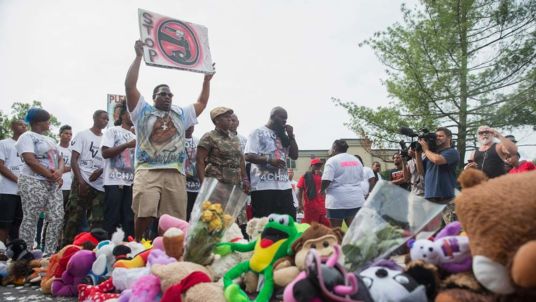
(450, 253)
(221, 265)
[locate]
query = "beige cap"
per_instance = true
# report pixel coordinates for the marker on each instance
(214, 113)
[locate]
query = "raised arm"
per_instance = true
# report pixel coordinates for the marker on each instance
(133, 95)
(202, 101)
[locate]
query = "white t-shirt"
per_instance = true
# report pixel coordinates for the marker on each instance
(160, 135)
(190, 165)
(346, 174)
(12, 161)
(87, 144)
(367, 174)
(263, 141)
(67, 176)
(295, 189)
(119, 170)
(243, 142)
(44, 149)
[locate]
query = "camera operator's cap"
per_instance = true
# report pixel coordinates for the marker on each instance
(214, 113)
(315, 161)
(511, 137)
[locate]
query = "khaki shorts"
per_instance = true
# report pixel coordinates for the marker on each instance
(158, 192)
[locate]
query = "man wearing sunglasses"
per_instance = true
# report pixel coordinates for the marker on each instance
(491, 156)
(159, 181)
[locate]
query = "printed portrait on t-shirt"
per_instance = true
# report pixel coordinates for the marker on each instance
(123, 165)
(161, 137)
(270, 144)
(46, 153)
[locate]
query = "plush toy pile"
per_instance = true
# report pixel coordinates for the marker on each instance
(488, 255)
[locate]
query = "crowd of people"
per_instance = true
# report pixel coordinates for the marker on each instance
(150, 164)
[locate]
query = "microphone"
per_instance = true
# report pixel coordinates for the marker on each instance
(407, 132)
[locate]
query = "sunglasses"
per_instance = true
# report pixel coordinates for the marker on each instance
(164, 94)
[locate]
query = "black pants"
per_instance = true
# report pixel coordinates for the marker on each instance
(118, 209)
(190, 205)
(266, 202)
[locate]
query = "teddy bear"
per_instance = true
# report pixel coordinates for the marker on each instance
(498, 216)
(221, 264)
(187, 281)
(318, 237)
(255, 226)
(78, 267)
(449, 251)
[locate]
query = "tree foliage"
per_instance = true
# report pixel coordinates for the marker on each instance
(18, 112)
(454, 63)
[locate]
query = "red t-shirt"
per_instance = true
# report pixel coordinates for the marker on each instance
(318, 186)
(523, 167)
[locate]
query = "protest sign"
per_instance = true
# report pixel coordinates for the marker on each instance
(172, 43)
(112, 100)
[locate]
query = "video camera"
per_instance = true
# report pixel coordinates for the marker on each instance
(429, 137)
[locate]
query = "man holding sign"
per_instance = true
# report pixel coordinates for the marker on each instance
(159, 181)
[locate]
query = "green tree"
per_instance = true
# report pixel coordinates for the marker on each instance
(18, 112)
(454, 63)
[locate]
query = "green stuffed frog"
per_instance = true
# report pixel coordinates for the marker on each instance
(275, 242)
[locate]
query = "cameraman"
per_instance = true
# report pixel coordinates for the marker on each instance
(439, 171)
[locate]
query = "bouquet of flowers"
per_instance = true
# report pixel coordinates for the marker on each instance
(389, 218)
(215, 209)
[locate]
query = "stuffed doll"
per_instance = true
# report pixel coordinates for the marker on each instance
(326, 281)
(93, 237)
(97, 293)
(223, 264)
(451, 253)
(255, 226)
(164, 223)
(318, 237)
(146, 289)
(388, 282)
(499, 218)
(173, 241)
(19, 268)
(124, 278)
(137, 261)
(78, 267)
(103, 265)
(56, 266)
(274, 243)
(187, 281)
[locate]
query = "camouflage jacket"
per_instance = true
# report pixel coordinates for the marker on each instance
(224, 156)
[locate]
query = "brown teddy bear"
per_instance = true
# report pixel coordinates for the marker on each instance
(187, 281)
(499, 217)
(318, 237)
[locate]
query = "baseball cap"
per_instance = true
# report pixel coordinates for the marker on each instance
(511, 137)
(316, 161)
(214, 113)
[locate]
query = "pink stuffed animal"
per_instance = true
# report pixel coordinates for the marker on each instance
(164, 223)
(77, 268)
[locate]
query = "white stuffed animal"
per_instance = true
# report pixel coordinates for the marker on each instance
(450, 253)
(221, 265)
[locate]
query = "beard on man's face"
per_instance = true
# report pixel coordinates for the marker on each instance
(485, 140)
